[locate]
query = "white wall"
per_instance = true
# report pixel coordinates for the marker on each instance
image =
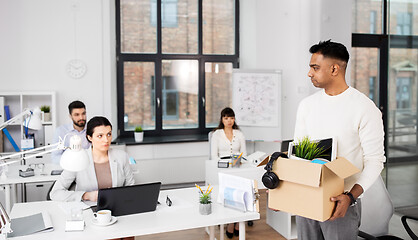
(38, 41)
(40, 37)
(278, 35)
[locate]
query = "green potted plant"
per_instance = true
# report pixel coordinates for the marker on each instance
(46, 114)
(138, 134)
(205, 201)
(309, 150)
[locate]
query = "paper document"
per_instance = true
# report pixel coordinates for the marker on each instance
(235, 198)
(39, 222)
(236, 189)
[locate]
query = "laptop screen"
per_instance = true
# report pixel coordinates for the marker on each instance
(129, 199)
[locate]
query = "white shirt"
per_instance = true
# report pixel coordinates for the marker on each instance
(221, 146)
(61, 132)
(355, 121)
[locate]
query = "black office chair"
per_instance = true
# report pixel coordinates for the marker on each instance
(71, 188)
(406, 226)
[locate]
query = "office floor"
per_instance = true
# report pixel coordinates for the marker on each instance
(261, 230)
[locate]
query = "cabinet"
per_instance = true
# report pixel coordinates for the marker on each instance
(17, 102)
(283, 222)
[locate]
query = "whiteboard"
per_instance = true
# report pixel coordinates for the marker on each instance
(256, 100)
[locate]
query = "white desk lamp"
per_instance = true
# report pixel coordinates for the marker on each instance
(74, 157)
(4, 223)
(33, 121)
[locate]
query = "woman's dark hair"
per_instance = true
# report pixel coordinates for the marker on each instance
(227, 112)
(331, 50)
(95, 122)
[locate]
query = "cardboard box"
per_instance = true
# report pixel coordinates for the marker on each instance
(306, 188)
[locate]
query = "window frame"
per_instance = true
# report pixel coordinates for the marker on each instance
(384, 42)
(158, 58)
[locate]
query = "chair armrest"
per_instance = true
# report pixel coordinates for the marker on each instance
(407, 228)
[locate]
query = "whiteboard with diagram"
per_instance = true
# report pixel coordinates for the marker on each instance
(256, 100)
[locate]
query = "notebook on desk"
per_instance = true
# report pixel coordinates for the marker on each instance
(129, 199)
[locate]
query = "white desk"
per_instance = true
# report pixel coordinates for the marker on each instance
(246, 170)
(183, 214)
(13, 178)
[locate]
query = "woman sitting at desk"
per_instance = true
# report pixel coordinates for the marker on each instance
(227, 140)
(107, 168)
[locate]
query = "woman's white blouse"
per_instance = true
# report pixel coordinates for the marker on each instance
(221, 146)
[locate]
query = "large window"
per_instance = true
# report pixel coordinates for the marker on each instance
(384, 67)
(175, 61)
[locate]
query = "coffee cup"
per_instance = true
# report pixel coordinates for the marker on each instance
(103, 216)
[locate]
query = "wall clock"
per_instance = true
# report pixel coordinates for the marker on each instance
(76, 68)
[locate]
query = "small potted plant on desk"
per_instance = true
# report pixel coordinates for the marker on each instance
(205, 202)
(46, 114)
(138, 134)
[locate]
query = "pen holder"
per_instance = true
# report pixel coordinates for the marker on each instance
(235, 161)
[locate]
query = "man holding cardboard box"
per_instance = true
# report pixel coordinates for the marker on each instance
(350, 117)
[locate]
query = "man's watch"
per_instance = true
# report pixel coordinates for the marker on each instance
(352, 199)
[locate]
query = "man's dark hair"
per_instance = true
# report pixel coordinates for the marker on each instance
(76, 104)
(331, 49)
(96, 122)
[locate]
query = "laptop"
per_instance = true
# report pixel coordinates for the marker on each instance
(129, 199)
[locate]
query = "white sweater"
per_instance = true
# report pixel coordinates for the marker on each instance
(355, 121)
(221, 146)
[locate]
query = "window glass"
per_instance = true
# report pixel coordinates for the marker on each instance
(136, 33)
(364, 71)
(180, 94)
(219, 27)
(401, 17)
(402, 100)
(138, 98)
(168, 13)
(218, 78)
(403, 23)
(179, 26)
(367, 16)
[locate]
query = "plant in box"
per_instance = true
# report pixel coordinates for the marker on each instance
(307, 149)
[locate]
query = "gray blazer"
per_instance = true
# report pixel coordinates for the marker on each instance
(86, 180)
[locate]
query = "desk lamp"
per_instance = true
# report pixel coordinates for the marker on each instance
(33, 121)
(4, 223)
(73, 159)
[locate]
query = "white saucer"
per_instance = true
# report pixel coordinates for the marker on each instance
(94, 221)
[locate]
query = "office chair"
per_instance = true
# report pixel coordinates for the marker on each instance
(210, 144)
(406, 226)
(376, 212)
(71, 188)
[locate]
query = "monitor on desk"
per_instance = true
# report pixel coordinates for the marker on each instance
(129, 199)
